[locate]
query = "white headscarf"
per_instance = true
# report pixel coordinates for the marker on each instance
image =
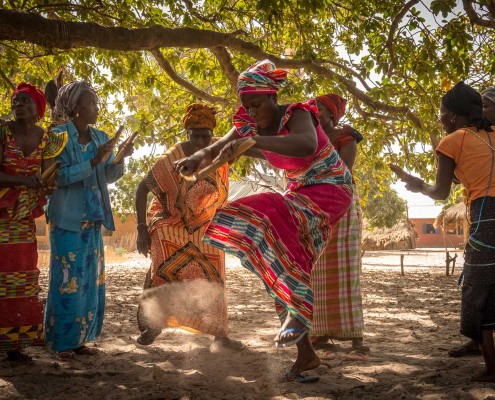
(67, 98)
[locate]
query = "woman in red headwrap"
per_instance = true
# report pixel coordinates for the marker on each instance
(25, 151)
(338, 310)
(177, 218)
(280, 237)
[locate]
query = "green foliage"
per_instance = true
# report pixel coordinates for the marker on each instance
(431, 48)
(123, 191)
(381, 206)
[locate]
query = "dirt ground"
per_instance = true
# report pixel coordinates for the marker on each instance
(411, 322)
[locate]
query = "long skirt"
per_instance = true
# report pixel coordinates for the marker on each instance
(280, 237)
(76, 294)
(478, 290)
(21, 312)
(178, 256)
(338, 307)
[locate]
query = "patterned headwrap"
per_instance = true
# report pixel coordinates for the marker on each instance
(37, 95)
(464, 100)
(335, 104)
(489, 93)
(199, 115)
(261, 78)
(67, 98)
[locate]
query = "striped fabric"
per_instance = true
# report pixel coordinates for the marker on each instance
(20, 336)
(261, 78)
(21, 312)
(280, 237)
(178, 215)
(338, 310)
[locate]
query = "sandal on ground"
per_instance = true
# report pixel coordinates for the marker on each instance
(298, 377)
(87, 351)
(302, 333)
(467, 349)
(19, 357)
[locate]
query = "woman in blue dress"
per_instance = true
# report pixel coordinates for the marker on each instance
(77, 210)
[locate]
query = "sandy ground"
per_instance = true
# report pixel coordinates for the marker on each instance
(411, 321)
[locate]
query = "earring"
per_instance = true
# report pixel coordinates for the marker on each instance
(77, 115)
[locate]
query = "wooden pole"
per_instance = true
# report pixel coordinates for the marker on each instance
(447, 263)
(402, 264)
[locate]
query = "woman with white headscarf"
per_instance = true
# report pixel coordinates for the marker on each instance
(77, 210)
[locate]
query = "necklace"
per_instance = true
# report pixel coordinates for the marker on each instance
(84, 147)
(479, 136)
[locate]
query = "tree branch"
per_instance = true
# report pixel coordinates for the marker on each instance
(74, 7)
(350, 71)
(7, 80)
(366, 114)
(393, 27)
(32, 28)
(165, 65)
(225, 60)
(474, 17)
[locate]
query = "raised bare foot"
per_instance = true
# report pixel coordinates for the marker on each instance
(19, 357)
(225, 343)
(484, 377)
(291, 332)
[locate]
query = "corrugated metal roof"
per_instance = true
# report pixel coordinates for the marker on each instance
(248, 186)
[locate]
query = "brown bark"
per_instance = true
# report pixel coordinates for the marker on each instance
(165, 65)
(33, 28)
(474, 17)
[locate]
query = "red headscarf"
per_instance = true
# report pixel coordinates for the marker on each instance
(335, 104)
(36, 94)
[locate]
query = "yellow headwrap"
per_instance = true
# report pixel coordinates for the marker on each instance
(199, 115)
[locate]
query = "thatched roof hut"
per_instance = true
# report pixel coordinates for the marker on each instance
(452, 217)
(402, 236)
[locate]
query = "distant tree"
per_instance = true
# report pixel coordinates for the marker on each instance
(381, 206)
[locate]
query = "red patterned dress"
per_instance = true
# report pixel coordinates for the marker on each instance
(178, 214)
(21, 312)
(280, 237)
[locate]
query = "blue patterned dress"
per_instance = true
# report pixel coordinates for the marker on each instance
(76, 296)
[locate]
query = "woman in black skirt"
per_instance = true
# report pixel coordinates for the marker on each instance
(468, 151)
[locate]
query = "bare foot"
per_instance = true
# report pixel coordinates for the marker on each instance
(358, 345)
(484, 377)
(19, 357)
(225, 343)
(318, 340)
(292, 330)
(306, 361)
(66, 355)
(87, 351)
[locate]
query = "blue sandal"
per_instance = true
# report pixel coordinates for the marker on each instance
(302, 332)
(300, 378)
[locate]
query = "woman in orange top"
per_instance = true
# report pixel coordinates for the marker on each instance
(468, 150)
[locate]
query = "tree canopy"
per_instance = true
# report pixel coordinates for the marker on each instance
(149, 59)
